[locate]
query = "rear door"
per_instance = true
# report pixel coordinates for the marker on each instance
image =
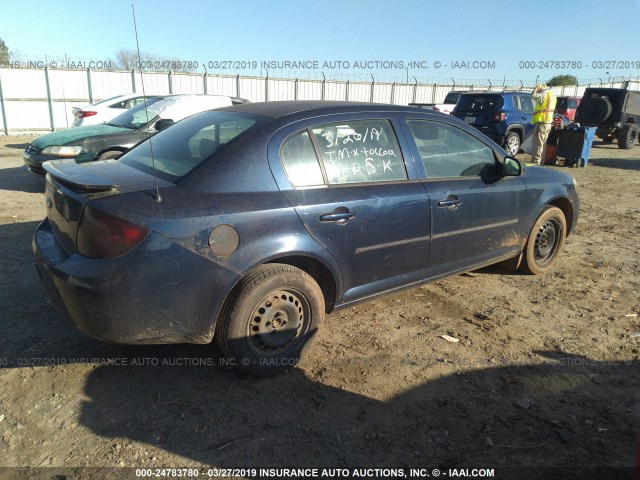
(476, 214)
(524, 106)
(357, 196)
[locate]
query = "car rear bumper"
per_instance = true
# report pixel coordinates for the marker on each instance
(148, 296)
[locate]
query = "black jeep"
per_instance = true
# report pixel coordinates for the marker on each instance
(615, 111)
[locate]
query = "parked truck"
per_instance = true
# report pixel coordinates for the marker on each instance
(446, 106)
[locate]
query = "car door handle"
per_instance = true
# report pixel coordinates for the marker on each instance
(449, 202)
(336, 217)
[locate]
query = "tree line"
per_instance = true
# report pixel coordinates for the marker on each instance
(123, 59)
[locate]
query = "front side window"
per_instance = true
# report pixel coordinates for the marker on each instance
(359, 151)
(138, 116)
(447, 151)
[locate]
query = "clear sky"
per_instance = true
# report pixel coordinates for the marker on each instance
(364, 31)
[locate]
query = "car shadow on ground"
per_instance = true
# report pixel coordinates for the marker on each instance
(621, 163)
(565, 412)
(19, 179)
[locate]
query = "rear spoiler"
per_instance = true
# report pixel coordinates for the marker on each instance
(101, 176)
(76, 176)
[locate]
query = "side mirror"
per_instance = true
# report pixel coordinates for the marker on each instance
(511, 167)
(163, 123)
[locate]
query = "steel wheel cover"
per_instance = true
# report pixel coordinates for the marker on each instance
(277, 322)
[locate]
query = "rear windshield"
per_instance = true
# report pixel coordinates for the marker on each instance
(452, 97)
(479, 103)
(182, 147)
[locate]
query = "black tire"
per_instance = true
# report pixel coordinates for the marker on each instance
(512, 143)
(595, 111)
(545, 241)
(628, 136)
(109, 154)
(252, 329)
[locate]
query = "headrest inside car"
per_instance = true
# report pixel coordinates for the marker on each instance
(424, 130)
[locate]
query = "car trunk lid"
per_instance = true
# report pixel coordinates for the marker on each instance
(70, 186)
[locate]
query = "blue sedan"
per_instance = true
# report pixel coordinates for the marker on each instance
(249, 223)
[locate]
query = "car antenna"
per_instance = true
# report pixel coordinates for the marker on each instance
(157, 198)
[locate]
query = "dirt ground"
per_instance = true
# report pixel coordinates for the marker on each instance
(546, 372)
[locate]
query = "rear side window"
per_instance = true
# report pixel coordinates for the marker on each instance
(572, 103)
(524, 103)
(300, 162)
(359, 151)
(447, 151)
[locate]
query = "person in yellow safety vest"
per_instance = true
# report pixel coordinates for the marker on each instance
(544, 105)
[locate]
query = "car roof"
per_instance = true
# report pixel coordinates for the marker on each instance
(279, 109)
(496, 92)
(178, 107)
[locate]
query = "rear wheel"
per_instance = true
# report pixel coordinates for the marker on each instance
(271, 320)
(512, 143)
(628, 136)
(545, 241)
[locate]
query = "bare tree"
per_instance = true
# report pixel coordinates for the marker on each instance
(4, 52)
(128, 60)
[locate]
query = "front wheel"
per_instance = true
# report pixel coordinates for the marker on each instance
(270, 320)
(110, 154)
(545, 241)
(512, 143)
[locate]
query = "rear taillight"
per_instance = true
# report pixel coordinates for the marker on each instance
(101, 235)
(498, 116)
(84, 113)
(436, 109)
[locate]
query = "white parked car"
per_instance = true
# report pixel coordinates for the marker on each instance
(446, 106)
(105, 110)
(112, 139)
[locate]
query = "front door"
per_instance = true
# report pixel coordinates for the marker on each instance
(476, 212)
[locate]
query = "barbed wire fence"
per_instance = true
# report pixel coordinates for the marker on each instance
(36, 97)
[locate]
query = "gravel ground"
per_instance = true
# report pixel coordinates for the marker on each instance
(546, 371)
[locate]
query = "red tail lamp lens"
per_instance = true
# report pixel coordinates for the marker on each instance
(83, 114)
(101, 235)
